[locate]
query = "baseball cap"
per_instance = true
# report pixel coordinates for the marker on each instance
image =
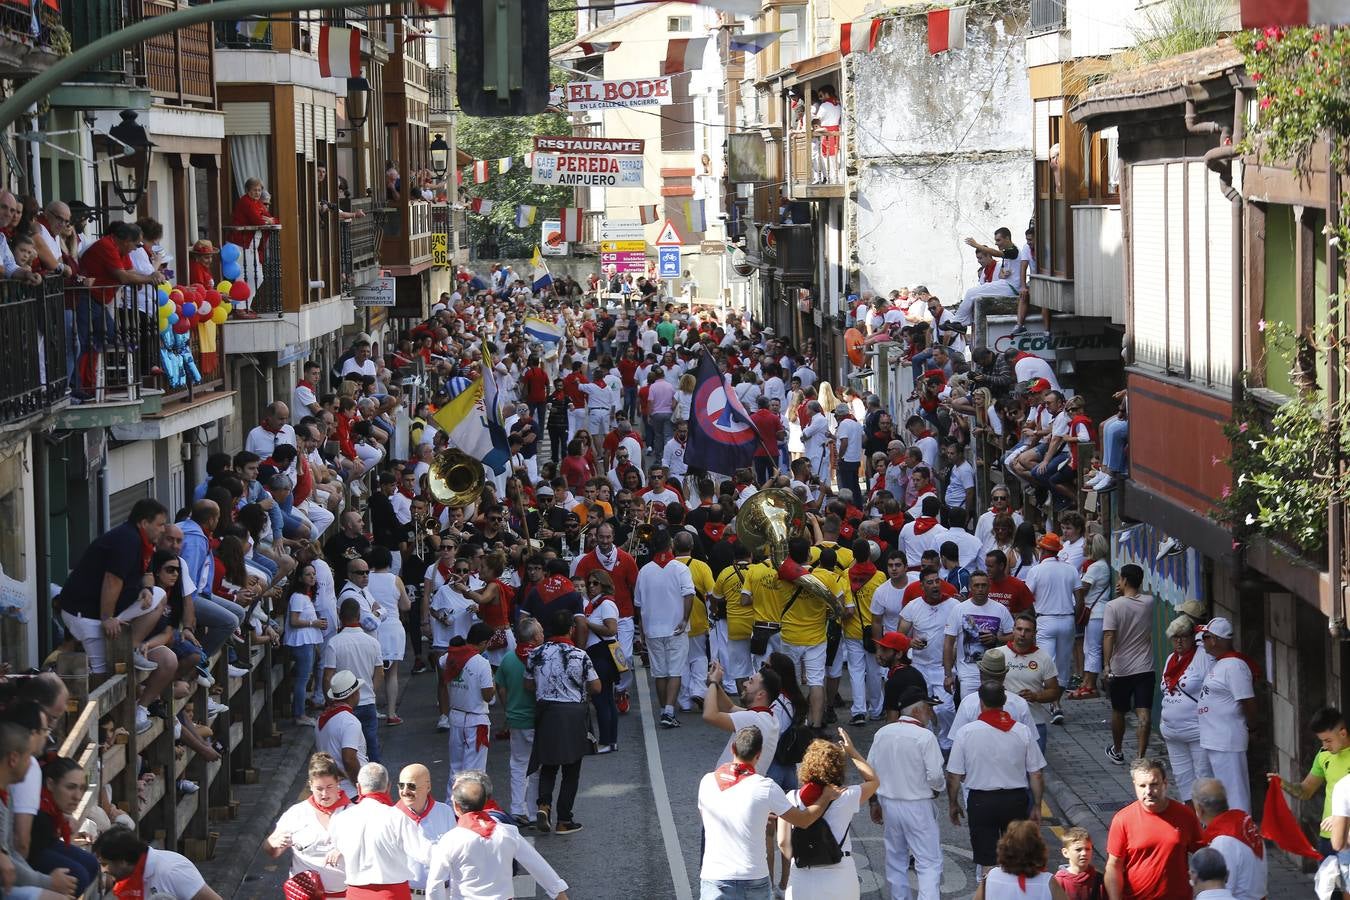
(343, 685)
(912, 695)
(543, 491)
(1219, 627)
(993, 662)
(894, 640)
(1050, 542)
(1038, 386)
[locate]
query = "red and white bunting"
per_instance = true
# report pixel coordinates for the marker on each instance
(339, 52)
(684, 55)
(647, 214)
(594, 48)
(851, 35)
(946, 29)
(1288, 13)
(481, 206)
(572, 217)
(480, 171)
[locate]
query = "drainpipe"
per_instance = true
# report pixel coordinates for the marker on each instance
(1335, 507)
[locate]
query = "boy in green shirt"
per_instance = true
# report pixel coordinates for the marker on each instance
(1331, 764)
(518, 703)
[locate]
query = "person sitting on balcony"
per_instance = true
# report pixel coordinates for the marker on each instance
(827, 116)
(360, 362)
(273, 428)
(200, 262)
(1010, 280)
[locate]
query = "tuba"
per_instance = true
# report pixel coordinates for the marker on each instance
(766, 522)
(456, 478)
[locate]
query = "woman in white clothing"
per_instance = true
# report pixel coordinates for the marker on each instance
(304, 634)
(392, 599)
(794, 426)
(602, 625)
(824, 764)
(1020, 873)
(1093, 594)
(684, 398)
(1183, 674)
(303, 829)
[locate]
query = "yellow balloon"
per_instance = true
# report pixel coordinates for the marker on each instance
(224, 288)
(220, 314)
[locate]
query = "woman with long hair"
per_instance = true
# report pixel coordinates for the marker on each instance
(602, 625)
(574, 466)
(49, 846)
(1024, 542)
(1093, 594)
(304, 635)
(795, 447)
(1020, 873)
(167, 570)
(303, 829)
(494, 604)
(1001, 534)
(684, 397)
(392, 598)
(823, 765)
(168, 591)
(789, 709)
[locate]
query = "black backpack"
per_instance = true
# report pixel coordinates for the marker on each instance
(815, 845)
(792, 742)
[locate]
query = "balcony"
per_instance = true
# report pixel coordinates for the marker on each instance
(33, 374)
(441, 87)
(112, 345)
(260, 264)
(359, 239)
(1046, 15)
(177, 66)
(26, 36)
(89, 20)
(792, 251)
(405, 246)
(246, 34)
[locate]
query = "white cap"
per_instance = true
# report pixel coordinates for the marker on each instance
(1219, 627)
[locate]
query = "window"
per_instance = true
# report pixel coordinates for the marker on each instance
(679, 23)
(792, 46)
(1055, 189)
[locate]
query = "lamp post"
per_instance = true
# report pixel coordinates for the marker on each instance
(358, 90)
(440, 156)
(127, 148)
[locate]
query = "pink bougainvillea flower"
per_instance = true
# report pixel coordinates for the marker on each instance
(1226, 492)
(1242, 429)
(1260, 324)
(1265, 103)
(1260, 46)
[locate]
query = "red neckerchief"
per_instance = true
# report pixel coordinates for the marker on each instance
(303, 383)
(342, 802)
(133, 886)
(859, 574)
(480, 823)
(147, 551)
(732, 774)
(523, 650)
(1251, 663)
(714, 530)
(1235, 823)
(760, 709)
(923, 434)
(59, 820)
(554, 586)
(562, 639)
(329, 713)
(592, 604)
(1014, 651)
(663, 557)
(402, 805)
(791, 570)
(924, 524)
(998, 718)
(896, 667)
(446, 571)
(1176, 667)
(407, 493)
(456, 658)
(380, 797)
(894, 520)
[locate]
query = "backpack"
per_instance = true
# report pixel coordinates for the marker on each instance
(815, 845)
(794, 740)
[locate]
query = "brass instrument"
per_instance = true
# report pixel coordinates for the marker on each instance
(766, 522)
(455, 478)
(422, 530)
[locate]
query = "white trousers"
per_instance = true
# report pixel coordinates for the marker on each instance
(965, 312)
(524, 788)
(465, 754)
(862, 676)
(1189, 762)
(911, 828)
(597, 421)
(576, 421)
(319, 517)
(717, 649)
(695, 680)
(626, 645)
(1230, 767)
(1056, 634)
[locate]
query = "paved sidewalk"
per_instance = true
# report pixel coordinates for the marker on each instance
(1086, 789)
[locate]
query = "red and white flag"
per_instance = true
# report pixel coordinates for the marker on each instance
(480, 171)
(339, 52)
(593, 48)
(437, 5)
(572, 217)
(481, 206)
(1286, 13)
(851, 35)
(947, 29)
(647, 214)
(684, 55)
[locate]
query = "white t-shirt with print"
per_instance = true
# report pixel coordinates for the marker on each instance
(458, 611)
(768, 725)
(466, 690)
(966, 622)
(1222, 724)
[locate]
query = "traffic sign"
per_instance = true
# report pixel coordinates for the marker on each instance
(669, 262)
(621, 230)
(669, 236)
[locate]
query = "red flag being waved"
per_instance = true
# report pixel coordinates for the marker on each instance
(946, 29)
(1279, 825)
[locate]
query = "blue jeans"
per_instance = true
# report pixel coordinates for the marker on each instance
(1115, 434)
(735, 890)
(662, 432)
(303, 655)
(630, 402)
(217, 618)
(1041, 736)
(82, 864)
(370, 727)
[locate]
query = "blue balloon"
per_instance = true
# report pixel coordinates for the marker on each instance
(173, 319)
(229, 253)
(230, 271)
(189, 309)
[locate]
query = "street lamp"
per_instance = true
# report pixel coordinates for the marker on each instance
(358, 89)
(128, 148)
(440, 156)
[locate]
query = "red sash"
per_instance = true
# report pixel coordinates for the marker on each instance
(998, 718)
(1176, 667)
(133, 886)
(480, 823)
(329, 713)
(380, 797)
(1235, 823)
(731, 774)
(456, 658)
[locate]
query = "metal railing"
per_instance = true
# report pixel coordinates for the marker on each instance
(1046, 15)
(260, 264)
(441, 87)
(808, 163)
(33, 372)
(245, 34)
(360, 240)
(112, 339)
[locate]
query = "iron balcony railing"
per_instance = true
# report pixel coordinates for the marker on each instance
(244, 34)
(441, 88)
(1047, 15)
(112, 336)
(259, 265)
(89, 20)
(34, 373)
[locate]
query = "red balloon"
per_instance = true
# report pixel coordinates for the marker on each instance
(176, 296)
(182, 326)
(214, 297)
(240, 291)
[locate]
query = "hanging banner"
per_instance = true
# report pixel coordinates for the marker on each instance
(631, 92)
(601, 145)
(586, 170)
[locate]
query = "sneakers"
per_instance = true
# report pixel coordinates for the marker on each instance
(1115, 755)
(304, 721)
(1020, 329)
(668, 720)
(393, 720)
(621, 702)
(142, 719)
(419, 668)
(541, 822)
(187, 787)
(523, 821)
(567, 828)
(1056, 715)
(858, 720)
(141, 663)
(443, 723)
(238, 671)
(215, 708)
(606, 748)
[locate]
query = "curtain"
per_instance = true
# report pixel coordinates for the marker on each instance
(248, 159)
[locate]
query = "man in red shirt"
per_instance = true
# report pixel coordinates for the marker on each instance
(770, 428)
(623, 570)
(1007, 589)
(535, 382)
(106, 262)
(1150, 839)
(628, 367)
(621, 430)
(576, 400)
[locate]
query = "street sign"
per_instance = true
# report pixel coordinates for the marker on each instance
(623, 246)
(379, 292)
(624, 256)
(621, 230)
(550, 226)
(669, 236)
(669, 262)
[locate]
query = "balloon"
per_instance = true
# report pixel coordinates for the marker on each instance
(223, 287)
(176, 295)
(164, 298)
(240, 291)
(229, 253)
(213, 296)
(173, 318)
(181, 326)
(220, 314)
(189, 309)
(230, 270)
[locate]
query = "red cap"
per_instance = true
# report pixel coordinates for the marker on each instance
(894, 640)
(1038, 386)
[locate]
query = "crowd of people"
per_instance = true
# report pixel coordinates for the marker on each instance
(965, 632)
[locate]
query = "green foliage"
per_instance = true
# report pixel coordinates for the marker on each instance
(1179, 26)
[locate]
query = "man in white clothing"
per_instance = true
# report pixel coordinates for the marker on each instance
(468, 677)
(305, 397)
(924, 619)
(273, 428)
(1054, 584)
(1233, 833)
(1227, 712)
(907, 761)
(376, 844)
(473, 860)
(993, 666)
(672, 455)
(338, 732)
(664, 599)
(974, 626)
(889, 597)
(434, 819)
(359, 653)
(848, 436)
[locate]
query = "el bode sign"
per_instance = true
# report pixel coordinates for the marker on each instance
(630, 92)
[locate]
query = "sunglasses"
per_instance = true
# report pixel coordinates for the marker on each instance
(461, 571)
(174, 569)
(407, 786)
(360, 571)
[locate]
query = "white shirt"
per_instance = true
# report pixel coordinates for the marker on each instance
(969, 548)
(1030, 672)
(302, 398)
(264, 442)
(466, 690)
(660, 594)
(1222, 724)
(357, 652)
(994, 760)
(1180, 720)
(733, 826)
(907, 761)
(839, 815)
(849, 430)
(969, 711)
(25, 797)
(886, 602)
(1073, 553)
(807, 376)
(769, 728)
(929, 622)
(478, 868)
(1053, 582)
(960, 479)
(310, 844)
(351, 366)
(305, 634)
(775, 390)
(342, 731)
(1029, 367)
(966, 622)
(1246, 871)
(606, 609)
(435, 821)
(171, 873)
(914, 543)
(984, 529)
(378, 843)
(928, 447)
(459, 613)
(673, 459)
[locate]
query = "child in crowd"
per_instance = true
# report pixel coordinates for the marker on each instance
(1078, 877)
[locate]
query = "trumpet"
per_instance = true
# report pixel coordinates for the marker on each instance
(423, 530)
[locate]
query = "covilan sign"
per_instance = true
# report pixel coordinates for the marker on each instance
(630, 92)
